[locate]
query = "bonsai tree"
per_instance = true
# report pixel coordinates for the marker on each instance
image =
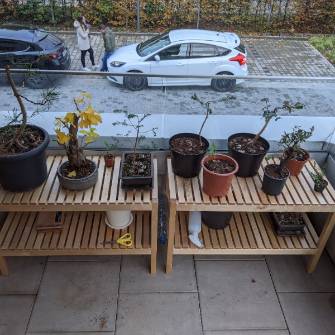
(318, 177)
(23, 146)
(292, 141)
(76, 130)
(135, 122)
(270, 113)
(21, 138)
(207, 105)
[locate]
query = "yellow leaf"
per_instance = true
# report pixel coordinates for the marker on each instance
(69, 117)
(62, 138)
(72, 174)
(86, 95)
(79, 100)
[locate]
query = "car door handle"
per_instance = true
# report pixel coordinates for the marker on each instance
(181, 64)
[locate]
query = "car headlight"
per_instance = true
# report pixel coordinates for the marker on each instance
(117, 64)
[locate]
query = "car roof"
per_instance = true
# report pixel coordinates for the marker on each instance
(26, 34)
(230, 39)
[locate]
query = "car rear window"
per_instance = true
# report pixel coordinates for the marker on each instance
(207, 50)
(49, 41)
(12, 46)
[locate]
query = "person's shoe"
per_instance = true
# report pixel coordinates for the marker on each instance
(86, 69)
(96, 68)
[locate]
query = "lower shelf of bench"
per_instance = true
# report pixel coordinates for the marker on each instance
(247, 234)
(84, 233)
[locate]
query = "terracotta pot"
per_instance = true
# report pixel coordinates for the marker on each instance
(109, 160)
(215, 184)
(295, 166)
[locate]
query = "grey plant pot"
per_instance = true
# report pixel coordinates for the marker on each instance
(77, 184)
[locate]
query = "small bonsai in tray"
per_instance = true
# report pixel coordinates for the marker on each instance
(136, 167)
(249, 149)
(288, 224)
(188, 149)
(320, 183)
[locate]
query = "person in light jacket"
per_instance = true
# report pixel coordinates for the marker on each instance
(109, 44)
(84, 43)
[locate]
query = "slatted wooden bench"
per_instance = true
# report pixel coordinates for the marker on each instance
(250, 231)
(84, 230)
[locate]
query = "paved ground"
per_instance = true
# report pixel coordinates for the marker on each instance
(218, 296)
(265, 56)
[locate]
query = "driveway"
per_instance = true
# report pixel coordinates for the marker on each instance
(267, 56)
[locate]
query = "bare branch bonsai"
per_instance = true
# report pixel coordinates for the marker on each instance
(208, 108)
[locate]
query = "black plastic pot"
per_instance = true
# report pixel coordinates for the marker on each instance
(136, 181)
(287, 229)
(25, 171)
(187, 165)
(320, 187)
(249, 163)
(77, 184)
(216, 220)
(271, 185)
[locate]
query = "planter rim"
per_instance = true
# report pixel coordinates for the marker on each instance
(190, 135)
(297, 160)
(27, 154)
(251, 135)
(289, 174)
(73, 179)
(220, 157)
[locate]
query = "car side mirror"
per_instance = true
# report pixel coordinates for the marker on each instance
(157, 58)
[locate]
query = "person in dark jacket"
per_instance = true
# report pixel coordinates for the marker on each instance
(109, 44)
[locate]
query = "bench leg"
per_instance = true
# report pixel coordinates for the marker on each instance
(154, 236)
(325, 234)
(3, 266)
(171, 232)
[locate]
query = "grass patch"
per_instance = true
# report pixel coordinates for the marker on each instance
(326, 45)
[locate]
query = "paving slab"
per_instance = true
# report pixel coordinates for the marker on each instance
(15, 313)
(135, 277)
(237, 295)
(309, 313)
(77, 296)
(24, 277)
(158, 313)
(248, 332)
(229, 257)
(289, 274)
(73, 333)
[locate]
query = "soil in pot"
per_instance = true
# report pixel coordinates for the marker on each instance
(297, 162)
(218, 173)
(84, 171)
(137, 169)
(249, 155)
(288, 223)
(274, 179)
(23, 161)
(187, 151)
(83, 178)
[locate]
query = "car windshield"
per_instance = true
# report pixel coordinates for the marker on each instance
(153, 44)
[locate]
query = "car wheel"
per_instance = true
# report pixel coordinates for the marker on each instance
(38, 81)
(135, 83)
(223, 85)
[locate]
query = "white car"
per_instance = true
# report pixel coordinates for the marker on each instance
(181, 52)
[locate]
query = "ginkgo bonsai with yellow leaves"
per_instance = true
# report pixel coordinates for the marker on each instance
(74, 132)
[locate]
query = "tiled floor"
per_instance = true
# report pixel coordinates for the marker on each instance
(210, 296)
